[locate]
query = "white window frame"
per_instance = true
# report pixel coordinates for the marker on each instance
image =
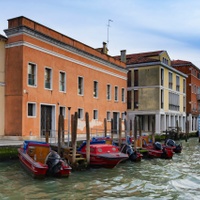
(108, 116)
(95, 89)
(60, 73)
(116, 93)
(81, 93)
(51, 78)
(123, 95)
(170, 86)
(34, 109)
(108, 92)
(35, 74)
(177, 83)
(95, 114)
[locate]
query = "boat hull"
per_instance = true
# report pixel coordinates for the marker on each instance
(37, 170)
(165, 153)
(104, 155)
(40, 161)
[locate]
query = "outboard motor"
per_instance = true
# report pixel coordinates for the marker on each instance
(53, 161)
(158, 146)
(129, 150)
(177, 147)
(170, 143)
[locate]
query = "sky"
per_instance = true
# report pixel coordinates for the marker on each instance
(132, 25)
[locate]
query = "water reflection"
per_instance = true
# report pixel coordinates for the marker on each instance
(178, 178)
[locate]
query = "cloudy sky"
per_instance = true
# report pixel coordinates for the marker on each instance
(137, 25)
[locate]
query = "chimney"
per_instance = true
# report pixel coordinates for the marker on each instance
(105, 50)
(123, 56)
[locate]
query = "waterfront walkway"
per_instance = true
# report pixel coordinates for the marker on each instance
(17, 141)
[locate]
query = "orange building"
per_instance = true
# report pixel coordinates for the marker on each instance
(48, 73)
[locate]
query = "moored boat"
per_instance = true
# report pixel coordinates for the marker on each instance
(103, 155)
(157, 150)
(39, 160)
(171, 144)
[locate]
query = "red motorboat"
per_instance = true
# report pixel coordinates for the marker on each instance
(157, 150)
(103, 155)
(38, 159)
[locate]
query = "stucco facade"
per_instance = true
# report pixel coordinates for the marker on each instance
(2, 83)
(156, 91)
(48, 72)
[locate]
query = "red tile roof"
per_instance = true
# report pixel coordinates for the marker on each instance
(144, 57)
(180, 63)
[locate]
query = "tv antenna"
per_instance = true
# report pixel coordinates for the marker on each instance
(108, 26)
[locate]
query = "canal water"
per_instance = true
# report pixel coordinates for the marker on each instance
(178, 178)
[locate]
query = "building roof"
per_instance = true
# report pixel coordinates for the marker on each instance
(2, 37)
(144, 57)
(183, 63)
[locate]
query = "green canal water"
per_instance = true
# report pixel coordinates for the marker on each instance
(178, 178)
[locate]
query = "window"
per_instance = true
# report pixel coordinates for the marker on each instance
(136, 77)
(184, 104)
(48, 78)
(123, 95)
(80, 85)
(135, 98)
(170, 80)
(173, 101)
(108, 116)
(162, 99)
(129, 100)
(129, 79)
(95, 92)
(165, 61)
(62, 81)
(31, 74)
(184, 86)
(31, 109)
(62, 111)
(162, 76)
(116, 93)
(95, 114)
(108, 92)
(177, 83)
(80, 113)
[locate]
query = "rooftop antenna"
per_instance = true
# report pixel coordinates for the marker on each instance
(108, 30)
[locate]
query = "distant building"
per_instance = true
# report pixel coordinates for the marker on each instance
(48, 73)
(192, 90)
(3, 40)
(156, 92)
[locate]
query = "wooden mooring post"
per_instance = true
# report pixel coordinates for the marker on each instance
(120, 132)
(153, 131)
(186, 130)
(60, 131)
(105, 127)
(140, 133)
(74, 137)
(87, 138)
(135, 133)
(112, 132)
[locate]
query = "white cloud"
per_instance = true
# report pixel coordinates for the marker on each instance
(138, 25)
